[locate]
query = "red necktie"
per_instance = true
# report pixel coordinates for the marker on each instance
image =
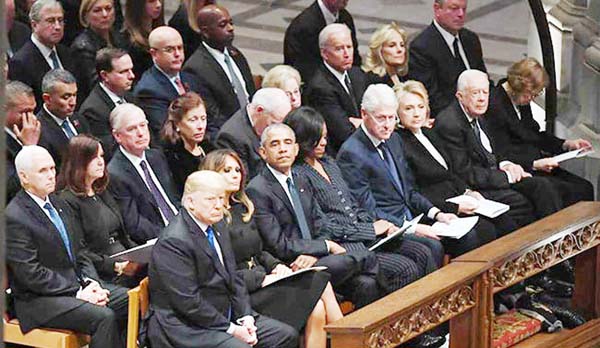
(180, 87)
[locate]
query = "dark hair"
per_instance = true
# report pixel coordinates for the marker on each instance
(307, 124)
(105, 56)
(177, 111)
(82, 150)
(135, 10)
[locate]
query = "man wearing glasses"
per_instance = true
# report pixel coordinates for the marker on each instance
(43, 52)
(164, 81)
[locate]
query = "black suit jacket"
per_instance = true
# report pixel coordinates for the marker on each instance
(42, 277)
(466, 153)
(239, 135)
(431, 178)
(13, 185)
(301, 41)
(54, 139)
(219, 96)
(154, 92)
(519, 140)
(276, 219)
(29, 66)
(96, 110)
(431, 63)
(138, 207)
(191, 291)
(371, 183)
(18, 35)
(328, 96)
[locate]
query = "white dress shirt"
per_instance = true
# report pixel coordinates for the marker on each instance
(220, 58)
(329, 17)
(171, 78)
(41, 202)
(430, 148)
(46, 51)
(59, 121)
(449, 39)
(136, 161)
(339, 76)
(115, 98)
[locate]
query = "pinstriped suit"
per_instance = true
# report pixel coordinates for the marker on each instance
(352, 226)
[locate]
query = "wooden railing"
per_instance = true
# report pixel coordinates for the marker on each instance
(462, 292)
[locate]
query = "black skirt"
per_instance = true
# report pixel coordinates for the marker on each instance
(291, 300)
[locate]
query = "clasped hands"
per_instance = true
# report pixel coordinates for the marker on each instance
(245, 331)
(94, 294)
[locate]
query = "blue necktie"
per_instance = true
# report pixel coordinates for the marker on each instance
(58, 223)
(163, 205)
(54, 59)
(67, 128)
(210, 236)
(393, 170)
(297, 205)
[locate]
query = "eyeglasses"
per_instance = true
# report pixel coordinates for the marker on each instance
(383, 119)
(170, 49)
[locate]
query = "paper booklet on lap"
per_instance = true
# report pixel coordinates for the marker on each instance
(300, 271)
(139, 254)
(573, 154)
(397, 233)
(486, 207)
(455, 228)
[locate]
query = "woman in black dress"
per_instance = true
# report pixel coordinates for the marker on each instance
(141, 16)
(183, 136)
(305, 300)
(387, 59)
(98, 19)
(83, 180)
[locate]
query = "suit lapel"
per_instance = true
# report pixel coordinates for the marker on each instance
(132, 173)
(379, 163)
(399, 160)
(335, 83)
(215, 68)
(53, 127)
(164, 82)
(278, 190)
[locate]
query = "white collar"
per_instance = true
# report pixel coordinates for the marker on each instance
(328, 15)
(215, 52)
(135, 160)
(469, 118)
(281, 178)
(371, 137)
(338, 75)
(59, 121)
(448, 37)
(45, 50)
(112, 95)
(171, 78)
(200, 224)
(39, 201)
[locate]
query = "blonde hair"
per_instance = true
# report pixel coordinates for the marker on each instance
(527, 75)
(412, 87)
(86, 7)
(375, 62)
(200, 181)
(277, 76)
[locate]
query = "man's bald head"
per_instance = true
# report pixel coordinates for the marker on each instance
(166, 48)
(216, 26)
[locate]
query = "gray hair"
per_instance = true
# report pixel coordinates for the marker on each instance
(465, 78)
(14, 90)
(39, 5)
(379, 95)
(24, 158)
(120, 112)
(270, 99)
(275, 126)
(328, 31)
(55, 76)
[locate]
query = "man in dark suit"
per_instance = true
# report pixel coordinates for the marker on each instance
(221, 69)
(43, 52)
(115, 71)
(242, 131)
(288, 216)
(21, 127)
(301, 47)
(140, 179)
(164, 81)
(198, 297)
(59, 123)
(18, 33)
(337, 87)
(472, 152)
(55, 285)
(373, 164)
(433, 57)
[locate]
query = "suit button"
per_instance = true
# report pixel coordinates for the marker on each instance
(347, 208)
(351, 215)
(343, 200)
(340, 193)
(345, 236)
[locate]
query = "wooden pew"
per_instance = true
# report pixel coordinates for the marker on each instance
(462, 292)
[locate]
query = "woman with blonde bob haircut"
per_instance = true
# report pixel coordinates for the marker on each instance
(287, 79)
(387, 59)
(303, 301)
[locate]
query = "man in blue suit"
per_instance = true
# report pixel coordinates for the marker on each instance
(373, 164)
(164, 81)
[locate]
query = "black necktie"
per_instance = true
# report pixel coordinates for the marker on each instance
(351, 92)
(457, 58)
(54, 58)
(489, 156)
(297, 205)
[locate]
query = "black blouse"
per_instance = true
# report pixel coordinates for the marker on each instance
(182, 162)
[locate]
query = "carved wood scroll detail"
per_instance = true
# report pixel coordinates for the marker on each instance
(545, 256)
(423, 318)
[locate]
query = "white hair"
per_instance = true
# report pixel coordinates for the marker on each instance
(378, 95)
(467, 76)
(120, 112)
(275, 126)
(271, 99)
(24, 158)
(328, 31)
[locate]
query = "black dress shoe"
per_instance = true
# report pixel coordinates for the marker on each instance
(426, 340)
(568, 317)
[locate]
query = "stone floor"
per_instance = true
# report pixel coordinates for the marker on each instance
(260, 26)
